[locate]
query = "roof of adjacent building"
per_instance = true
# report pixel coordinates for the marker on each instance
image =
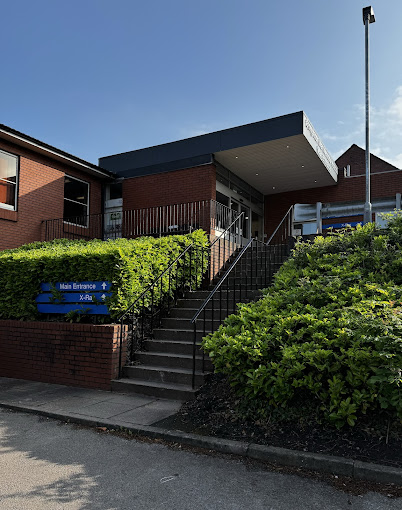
(23, 140)
(356, 154)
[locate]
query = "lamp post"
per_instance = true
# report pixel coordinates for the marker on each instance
(368, 17)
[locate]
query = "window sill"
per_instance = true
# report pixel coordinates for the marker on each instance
(6, 214)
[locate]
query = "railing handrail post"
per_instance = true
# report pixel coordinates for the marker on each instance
(281, 222)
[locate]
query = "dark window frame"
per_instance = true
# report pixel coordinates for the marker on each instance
(3, 205)
(86, 216)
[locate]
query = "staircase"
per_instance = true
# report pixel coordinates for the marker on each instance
(164, 366)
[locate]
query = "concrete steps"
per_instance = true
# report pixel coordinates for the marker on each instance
(164, 366)
(155, 389)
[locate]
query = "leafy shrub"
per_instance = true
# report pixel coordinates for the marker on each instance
(131, 265)
(329, 330)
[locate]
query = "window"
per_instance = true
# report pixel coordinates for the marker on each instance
(237, 185)
(76, 194)
(115, 190)
(8, 180)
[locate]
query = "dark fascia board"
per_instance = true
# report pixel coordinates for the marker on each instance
(241, 136)
(24, 140)
(170, 166)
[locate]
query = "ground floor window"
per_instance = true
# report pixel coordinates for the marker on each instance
(76, 201)
(8, 180)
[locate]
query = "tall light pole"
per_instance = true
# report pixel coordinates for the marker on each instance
(368, 17)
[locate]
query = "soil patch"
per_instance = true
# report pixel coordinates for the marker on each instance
(215, 413)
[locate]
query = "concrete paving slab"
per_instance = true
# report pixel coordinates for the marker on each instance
(150, 413)
(104, 409)
(70, 404)
(132, 399)
(17, 389)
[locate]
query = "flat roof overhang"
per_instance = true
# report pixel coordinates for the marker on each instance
(285, 163)
(285, 152)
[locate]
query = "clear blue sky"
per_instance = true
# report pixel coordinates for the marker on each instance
(98, 77)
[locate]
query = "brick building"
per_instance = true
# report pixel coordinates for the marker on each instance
(39, 182)
(266, 170)
(263, 170)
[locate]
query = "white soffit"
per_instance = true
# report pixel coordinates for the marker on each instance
(287, 164)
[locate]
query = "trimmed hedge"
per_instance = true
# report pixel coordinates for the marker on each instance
(328, 333)
(130, 264)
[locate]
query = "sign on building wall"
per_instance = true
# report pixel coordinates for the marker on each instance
(81, 297)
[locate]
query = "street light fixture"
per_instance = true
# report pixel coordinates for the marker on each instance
(368, 17)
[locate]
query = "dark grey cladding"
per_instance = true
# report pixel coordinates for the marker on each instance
(199, 149)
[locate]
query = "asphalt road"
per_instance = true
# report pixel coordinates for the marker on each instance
(46, 464)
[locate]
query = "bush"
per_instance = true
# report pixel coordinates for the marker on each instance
(329, 330)
(131, 265)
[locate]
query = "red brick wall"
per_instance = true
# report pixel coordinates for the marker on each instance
(40, 196)
(347, 189)
(179, 186)
(72, 354)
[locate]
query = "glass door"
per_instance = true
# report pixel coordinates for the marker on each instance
(244, 229)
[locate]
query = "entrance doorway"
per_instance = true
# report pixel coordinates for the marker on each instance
(244, 228)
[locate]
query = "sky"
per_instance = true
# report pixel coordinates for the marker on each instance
(100, 77)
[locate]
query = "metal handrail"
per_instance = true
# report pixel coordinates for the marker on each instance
(168, 268)
(279, 225)
(219, 284)
(205, 303)
(227, 229)
(141, 296)
(154, 221)
(158, 279)
(154, 282)
(269, 257)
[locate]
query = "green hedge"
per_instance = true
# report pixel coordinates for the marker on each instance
(328, 333)
(131, 265)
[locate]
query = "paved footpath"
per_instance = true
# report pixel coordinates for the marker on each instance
(51, 465)
(69, 402)
(48, 464)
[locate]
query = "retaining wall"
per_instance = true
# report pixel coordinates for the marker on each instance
(84, 355)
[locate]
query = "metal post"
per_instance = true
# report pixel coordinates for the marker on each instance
(319, 217)
(368, 17)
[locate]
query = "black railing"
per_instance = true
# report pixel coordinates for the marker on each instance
(196, 266)
(284, 230)
(252, 269)
(184, 274)
(208, 215)
(223, 247)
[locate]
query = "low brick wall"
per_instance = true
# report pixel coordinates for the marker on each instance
(72, 354)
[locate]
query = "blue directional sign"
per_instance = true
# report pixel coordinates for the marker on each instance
(77, 286)
(83, 297)
(77, 307)
(74, 297)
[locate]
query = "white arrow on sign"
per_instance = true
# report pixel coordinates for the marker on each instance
(104, 285)
(103, 296)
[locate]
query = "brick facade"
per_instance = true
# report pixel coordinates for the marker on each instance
(386, 181)
(40, 196)
(179, 186)
(71, 354)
